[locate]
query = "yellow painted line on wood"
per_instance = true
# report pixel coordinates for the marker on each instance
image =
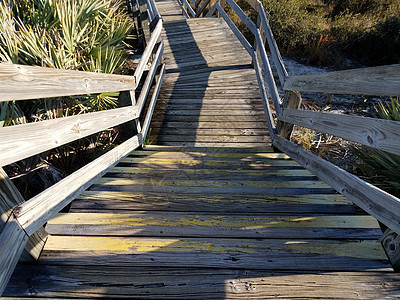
(196, 162)
(294, 172)
(191, 154)
(207, 183)
(146, 197)
(78, 243)
(249, 222)
(363, 249)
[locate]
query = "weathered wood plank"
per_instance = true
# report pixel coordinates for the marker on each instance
(21, 141)
(106, 201)
(184, 283)
(38, 210)
(12, 240)
(10, 197)
(214, 139)
(21, 82)
(217, 144)
(382, 81)
(209, 125)
(218, 226)
(373, 132)
(291, 100)
(210, 132)
(153, 101)
(318, 255)
(202, 118)
(147, 52)
(276, 56)
(222, 162)
(210, 154)
(242, 15)
(373, 200)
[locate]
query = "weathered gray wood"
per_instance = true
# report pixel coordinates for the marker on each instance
(383, 81)
(10, 197)
(327, 255)
(38, 210)
(373, 132)
(12, 240)
(292, 100)
(215, 226)
(240, 13)
(276, 56)
(189, 8)
(378, 203)
(266, 67)
(190, 283)
(235, 30)
(144, 21)
(22, 141)
(390, 241)
(114, 201)
(152, 104)
(27, 82)
(147, 52)
(200, 10)
(212, 10)
(150, 77)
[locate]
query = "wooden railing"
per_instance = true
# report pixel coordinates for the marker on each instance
(21, 219)
(372, 132)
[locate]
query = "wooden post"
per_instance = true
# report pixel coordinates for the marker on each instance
(222, 4)
(292, 99)
(390, 241)
(9, 198)
(127, 98)
(144, 21)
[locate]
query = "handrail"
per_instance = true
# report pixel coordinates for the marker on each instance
(21, 141)
(26, 82)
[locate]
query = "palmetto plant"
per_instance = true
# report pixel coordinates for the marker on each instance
(67, 34)
(83, 35)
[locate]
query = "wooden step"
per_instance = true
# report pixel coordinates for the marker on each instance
(215, 226)
(199, 283)
(128, 201)
(257, 254)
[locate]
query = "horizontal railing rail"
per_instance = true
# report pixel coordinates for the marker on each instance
(372, 132)
(21, 141)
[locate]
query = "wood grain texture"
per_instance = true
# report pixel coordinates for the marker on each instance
(12, 240)
(22, 141)
(10, 197)
(125, 202)
(147, 52)
(221, 226)
(382, 81)
(216, 253)
(38, 210)
(27, 82)
(185, 283)
(373, 132)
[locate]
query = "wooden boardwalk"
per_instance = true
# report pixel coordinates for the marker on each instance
(210, 95)
(209, 211)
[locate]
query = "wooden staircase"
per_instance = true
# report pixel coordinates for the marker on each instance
(208, 211)
(169, 220)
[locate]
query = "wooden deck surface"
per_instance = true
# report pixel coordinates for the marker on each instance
(210, 95)
(201, 215)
